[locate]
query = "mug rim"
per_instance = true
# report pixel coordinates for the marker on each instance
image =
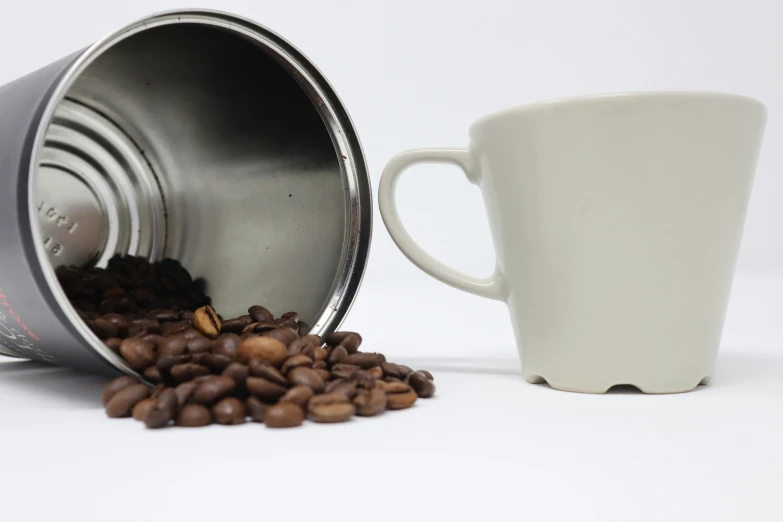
(610, 97)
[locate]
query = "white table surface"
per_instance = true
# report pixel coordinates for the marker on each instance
(489, 447)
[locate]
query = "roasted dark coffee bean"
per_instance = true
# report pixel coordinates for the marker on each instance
(399, 396)
(320, 365)
(369, 403)
(238, 372)
(270, 350)
(157, 390)
(139, 354)
(152, 338)
(143, 407)
(151, 325)
(152, 374)
(299, 395)
(185, 315)
(236, 325)
(107, 306)
(330, 407)
(263, 389)
(214, 388)
(89, 316)
(188, 371)
(258, 328)
(179, 328)
(260, 368)
(363, 379)
(119, 321)
(304, 328)
(162, 315)
(167, 362)
(304, 345)
(408, 370)
(335, 338)
(295, 361)
(206, 321)
(194, 416)
(199, 344)
(364, 360)
(343, 387)
(229, 411)
(427, 374)
(325, 375)
(284, 415)
(185, 392)
(376, 371)
(284, 335)
(343, 370)
(421, 384)
(192, 333)
(260, 314)
(172, 345)
(165, 409)
(102, 328)
(227, 344)
(114, 386)
(307, 377)
(337, 355)
(216, 363)
(393, 370)
(288, 323)
(113, 343)
(255, 409)
(348, 340)
(181, 277)
(122, 402)
(320, 353)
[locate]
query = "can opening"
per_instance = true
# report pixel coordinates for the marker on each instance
(190, 140)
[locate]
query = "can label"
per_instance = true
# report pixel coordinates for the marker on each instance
(16, 336)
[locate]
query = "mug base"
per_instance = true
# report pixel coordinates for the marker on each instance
(648, 387)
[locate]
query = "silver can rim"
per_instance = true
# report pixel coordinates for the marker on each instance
(336, 118)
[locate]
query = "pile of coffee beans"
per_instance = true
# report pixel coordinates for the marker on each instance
(206, 369)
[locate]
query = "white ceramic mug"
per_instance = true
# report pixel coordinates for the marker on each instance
(616, 221)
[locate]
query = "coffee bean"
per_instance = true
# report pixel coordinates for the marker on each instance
(266, 348)
(167, 362)
(259, 328)
(393, 370)
(259, 314)
(162, 315)
(343, 387)
(261, 368)
(320, 353)
(363, 379)
(188, 371)
(214, 388)
(194, 416)
(292, 321)
(376, 372)
(179, 328)
(114, 386)
(364, 360)
(427, 374)
(407, 369)
(119, 321)
(238, 372)
(325, 375)
(102, 328)
(330, 407)
(264, 389)
(152, 374)
(370, 402)
(165, 409)
(185, 315)
(173, 345)
(139, 354)
(192, 333)
(143, 407)
(113, 344)
(199, 345)
(236, 325)
(206, 321)
(284, 335)
(335, 338)
(229, 411)
(399, 395)
(308, 342)
(423, 386)
(185, 392)
(348, 340)
(255, 409)
(142, 323)
(157, 390)
(284, 415)
(152, 338)
(344, 371)
(320, 365)
(122, 402)
(227, 344)
(295, 361)
(304, 328)
(337, 355)
(299, 395)
(307, 377)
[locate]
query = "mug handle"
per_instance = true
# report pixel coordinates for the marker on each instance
(489, 287)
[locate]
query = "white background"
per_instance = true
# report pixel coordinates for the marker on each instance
(490, 447)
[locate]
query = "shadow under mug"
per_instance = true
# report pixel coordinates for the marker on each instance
(616, 221)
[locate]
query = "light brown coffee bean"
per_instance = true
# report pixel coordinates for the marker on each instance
(270, 350)
(188, 371)
(142, 407)
(330, 407)
(284, 335)
(364, 360)
(255, 409)
(284, 415)
(116, 385)
(139, 354)
(230, 411)
(370, 402)
(299, 395)
(165, 409)
(263, 389)
(238, 372)
(346, 388)
(423, 386)
(206, 321)
(185, 392)
(376, 372)
(194, 416)
(296, 361)
(307, 377)
(122, 402)
(259, 314)
(214, 388)
(399, 396)
(261, 368)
